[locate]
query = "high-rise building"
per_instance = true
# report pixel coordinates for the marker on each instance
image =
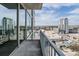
(63, 25)
(7, 24)
(66, 25)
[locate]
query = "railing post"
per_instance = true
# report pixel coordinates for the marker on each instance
(54, 49)
(47, 48)
(17, 26)
(51, 51)
(54, 52)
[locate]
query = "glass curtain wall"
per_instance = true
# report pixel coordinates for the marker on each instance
(21, 24)
(8, 40)
(7, 20)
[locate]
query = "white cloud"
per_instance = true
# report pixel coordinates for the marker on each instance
(46, 19)
(75, 11)
(73, 19)
(44, 11)
(58, 5)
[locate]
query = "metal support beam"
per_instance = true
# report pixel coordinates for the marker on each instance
(25, 25)
(17, 26)
(32, 24)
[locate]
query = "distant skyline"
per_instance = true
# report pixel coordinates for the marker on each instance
(50, 14)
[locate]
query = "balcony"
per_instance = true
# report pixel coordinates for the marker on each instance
(42, 47)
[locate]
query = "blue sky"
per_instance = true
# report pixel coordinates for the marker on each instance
(50, 14)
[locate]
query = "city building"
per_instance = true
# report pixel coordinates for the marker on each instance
(63, 25)
(7, 24)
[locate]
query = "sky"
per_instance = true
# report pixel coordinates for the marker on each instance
(50, 14)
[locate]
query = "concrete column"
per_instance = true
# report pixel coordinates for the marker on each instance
(25, 25)
(17, 26)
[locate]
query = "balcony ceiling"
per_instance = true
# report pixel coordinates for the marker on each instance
(32, 5)
(23, 5)
(11, 5)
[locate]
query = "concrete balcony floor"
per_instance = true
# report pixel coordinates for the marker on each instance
(28, 48)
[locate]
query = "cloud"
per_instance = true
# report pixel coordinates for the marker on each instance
(75, 11)
(48, 15)
(58, 5)
(44, 11)
(73, 19)
(73, 16)
(46, 19)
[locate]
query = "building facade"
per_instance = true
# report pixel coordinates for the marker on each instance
(63, 25)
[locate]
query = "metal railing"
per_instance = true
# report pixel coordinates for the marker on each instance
(48, 47)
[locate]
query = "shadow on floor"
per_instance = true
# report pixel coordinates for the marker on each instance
(8, 47)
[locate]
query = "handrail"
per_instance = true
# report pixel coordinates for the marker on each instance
(46, 42)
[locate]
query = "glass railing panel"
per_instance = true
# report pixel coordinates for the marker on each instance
(48, 47)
